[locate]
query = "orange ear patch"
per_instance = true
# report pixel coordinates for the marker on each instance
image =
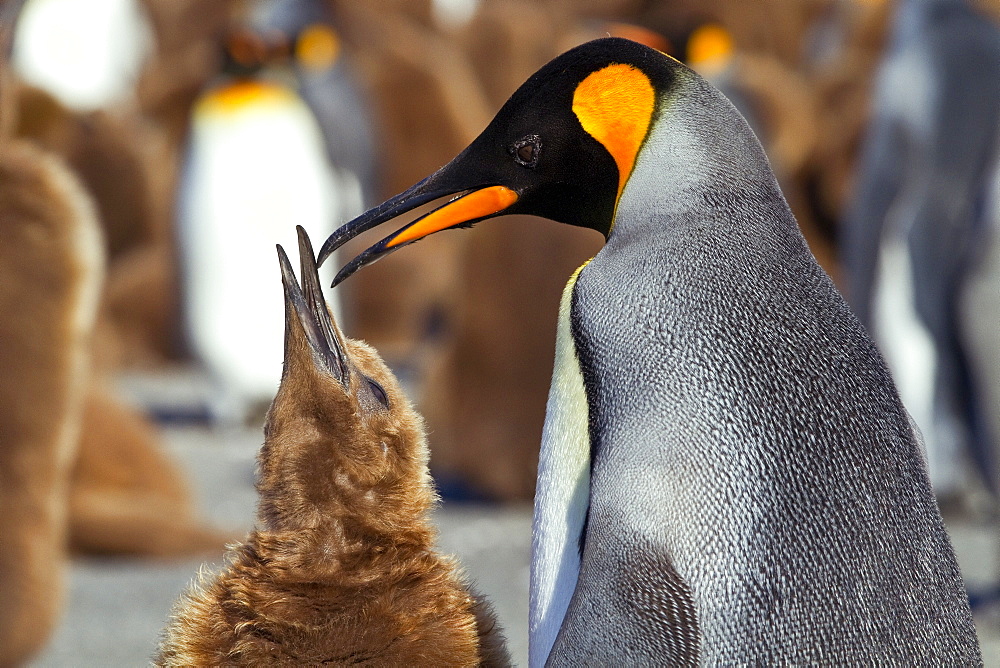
(615, 107)
(318, 47)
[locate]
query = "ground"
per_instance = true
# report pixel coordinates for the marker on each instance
(117, 607)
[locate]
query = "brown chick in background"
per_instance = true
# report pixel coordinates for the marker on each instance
(51, 268)
(126, 495)
(126, 165)
(341, 567)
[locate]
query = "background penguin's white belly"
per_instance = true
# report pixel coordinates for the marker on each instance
(86, 53)
(908, 349)
(254, 172)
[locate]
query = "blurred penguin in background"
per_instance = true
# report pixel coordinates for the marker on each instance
(260, 158)
(916, 229)
(87, 54)
(326, 81)
(125, 163)
(78, 63)
(979, 305)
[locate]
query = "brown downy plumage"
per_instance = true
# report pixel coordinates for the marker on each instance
(51, 266)
(341, 567)
(127, 167)
(126, 495)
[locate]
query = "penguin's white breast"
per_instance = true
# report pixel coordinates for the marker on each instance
(562, 492)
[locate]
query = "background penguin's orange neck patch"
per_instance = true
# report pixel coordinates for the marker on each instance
(241, 94)
(615, 106)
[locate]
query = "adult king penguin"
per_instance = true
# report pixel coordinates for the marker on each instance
(727, 475)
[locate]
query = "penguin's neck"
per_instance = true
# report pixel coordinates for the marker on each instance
(562, 492)
(700, 156)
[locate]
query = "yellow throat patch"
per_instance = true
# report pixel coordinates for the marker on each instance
(238, 96)
(615, 106)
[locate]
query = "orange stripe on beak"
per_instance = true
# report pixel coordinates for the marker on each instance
(477, 204)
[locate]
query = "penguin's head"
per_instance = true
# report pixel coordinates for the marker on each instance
(562, 147)
(341, 439)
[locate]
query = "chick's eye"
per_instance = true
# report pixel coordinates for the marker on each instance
(526, 150)
(378, 392)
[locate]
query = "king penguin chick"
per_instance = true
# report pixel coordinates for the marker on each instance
(51, 272)
(341, 568)
(727, 475)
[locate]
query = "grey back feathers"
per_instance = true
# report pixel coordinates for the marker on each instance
(758, 494)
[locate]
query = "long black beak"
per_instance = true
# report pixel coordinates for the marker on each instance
(475, 203)
(307, 305)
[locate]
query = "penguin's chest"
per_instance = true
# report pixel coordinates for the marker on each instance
(748, 453)
(693, 385)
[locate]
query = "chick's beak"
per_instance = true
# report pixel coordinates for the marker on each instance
(307, 305)
(475, 201)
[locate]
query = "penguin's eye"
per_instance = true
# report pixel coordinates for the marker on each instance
(378, 393)
(526, 150)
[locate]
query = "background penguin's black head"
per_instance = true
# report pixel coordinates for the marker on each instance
(561, 147)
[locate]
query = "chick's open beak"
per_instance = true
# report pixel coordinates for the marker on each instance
(308, 306)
